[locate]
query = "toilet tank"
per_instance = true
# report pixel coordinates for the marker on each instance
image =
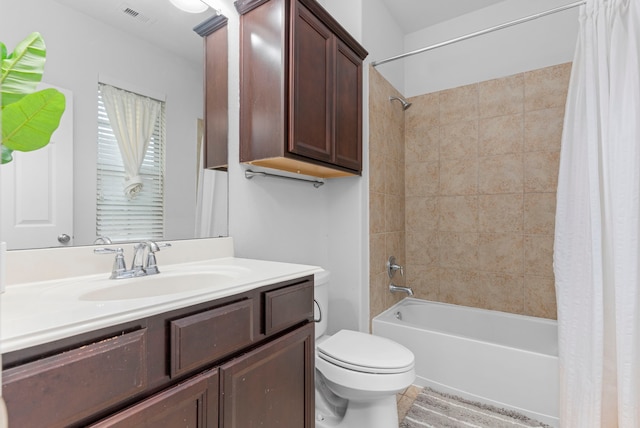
(321, 296)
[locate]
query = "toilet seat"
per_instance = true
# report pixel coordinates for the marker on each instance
(365, 353)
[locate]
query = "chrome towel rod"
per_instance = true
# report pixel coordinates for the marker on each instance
(481, 32)
(249, 174)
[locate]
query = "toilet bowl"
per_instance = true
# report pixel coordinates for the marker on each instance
(357, 375)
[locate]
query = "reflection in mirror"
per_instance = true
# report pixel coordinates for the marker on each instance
(143, 46)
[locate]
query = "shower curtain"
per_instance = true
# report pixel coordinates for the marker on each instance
(597, 238)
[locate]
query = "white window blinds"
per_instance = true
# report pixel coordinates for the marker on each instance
(118, 217)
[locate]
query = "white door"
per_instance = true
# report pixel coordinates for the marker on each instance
(37, 190)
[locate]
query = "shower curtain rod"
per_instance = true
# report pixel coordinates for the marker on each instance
(481, 32)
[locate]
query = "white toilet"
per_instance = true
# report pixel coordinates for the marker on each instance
(357, 374)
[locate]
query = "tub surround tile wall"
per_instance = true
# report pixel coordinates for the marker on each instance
(481, 164)
(387, 188)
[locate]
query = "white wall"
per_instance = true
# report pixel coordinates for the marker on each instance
(384, 38)
(546, 41)
(79, 49)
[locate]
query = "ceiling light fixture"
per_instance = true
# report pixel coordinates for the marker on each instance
(190, 6)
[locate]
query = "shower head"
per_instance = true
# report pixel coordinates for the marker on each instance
(405, 104)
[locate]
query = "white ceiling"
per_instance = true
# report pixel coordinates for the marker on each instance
(413, 15)
(159, 22)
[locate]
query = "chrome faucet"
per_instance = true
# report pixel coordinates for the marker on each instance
(138, 267)
(397, 288)
(150, 268)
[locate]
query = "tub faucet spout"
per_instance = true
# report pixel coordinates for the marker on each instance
(397, 288)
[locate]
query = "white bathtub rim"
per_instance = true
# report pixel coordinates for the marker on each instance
(387, 317)
(406, 300)
(547, 419)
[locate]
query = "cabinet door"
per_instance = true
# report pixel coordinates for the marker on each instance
(216, 124)
(191, 404)
(272, 386)
(348, 108)
(311, 88)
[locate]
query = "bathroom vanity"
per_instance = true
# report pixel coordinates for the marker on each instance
(237, 354)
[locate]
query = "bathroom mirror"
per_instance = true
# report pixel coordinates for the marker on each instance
(143, 46)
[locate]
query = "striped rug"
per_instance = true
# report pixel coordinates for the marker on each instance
(438, 410)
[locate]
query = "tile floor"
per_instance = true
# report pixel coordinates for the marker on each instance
(405, 400)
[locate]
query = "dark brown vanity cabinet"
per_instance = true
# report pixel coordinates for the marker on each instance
(241, 361)
(300, 89)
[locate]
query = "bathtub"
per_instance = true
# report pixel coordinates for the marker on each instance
(506, 360)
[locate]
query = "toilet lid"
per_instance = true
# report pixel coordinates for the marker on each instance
(365, 353)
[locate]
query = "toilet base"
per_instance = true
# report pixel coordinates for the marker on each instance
(379, 413)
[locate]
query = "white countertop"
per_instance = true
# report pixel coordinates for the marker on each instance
(34, 313)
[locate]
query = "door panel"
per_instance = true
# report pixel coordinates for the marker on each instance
(37, 190)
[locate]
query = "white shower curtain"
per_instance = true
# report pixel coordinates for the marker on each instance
(597, 239)
(132, 118)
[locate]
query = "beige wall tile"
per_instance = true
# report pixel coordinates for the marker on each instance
(458, 250)
(546, 87)
(500, 174)
(394, 213)
(458, 213)
(459, 140)
(424, 281)
(501, 252)
(460, 287)
(422, 179)
(394, 177)
(459, 104)
(376, 213)
(539, 213)
(500, 213)
(377, 173)
(540, 297)
(377, 253)
(425, 110)
(501, 134)
(422, 144)
(502, 292)
(459, 176)
(421, 214)
(543, 130)
(422, 249)
(377, 294)
(396, 142)
(541, 171)
(538, 255)
(480, 172)
(501, 97)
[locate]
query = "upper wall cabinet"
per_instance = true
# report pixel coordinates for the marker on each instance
(216, 109)
(300, 89)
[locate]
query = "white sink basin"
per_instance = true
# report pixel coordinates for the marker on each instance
(158, 285)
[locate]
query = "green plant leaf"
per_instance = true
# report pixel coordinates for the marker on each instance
(28, 123)
(7, 155)
(21, 71)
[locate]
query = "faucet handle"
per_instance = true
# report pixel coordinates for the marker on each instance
(119, 265)
(152, 265)
(392, 267)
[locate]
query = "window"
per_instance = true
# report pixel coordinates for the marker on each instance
(119, 217)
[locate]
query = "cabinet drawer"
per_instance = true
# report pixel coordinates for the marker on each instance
(100, 375)
(288, 306)
(211, 335)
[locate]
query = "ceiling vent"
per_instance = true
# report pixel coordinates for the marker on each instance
(137, 15)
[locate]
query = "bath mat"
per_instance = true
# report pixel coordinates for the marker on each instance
(438, 410)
